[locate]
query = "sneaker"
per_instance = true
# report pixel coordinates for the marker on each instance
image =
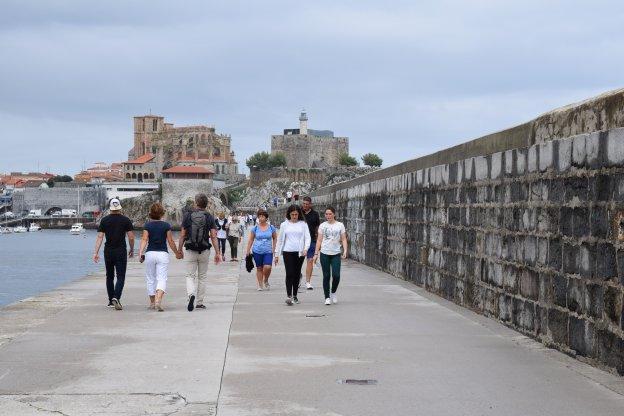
(309, 286)
(296, 300)
(191, 303)
(110, 305)
(259, 289)
(289, 301)
(267, 286)
(200, 306)
(334, 298)
(117, 304)
(159, 307)
(328, 301)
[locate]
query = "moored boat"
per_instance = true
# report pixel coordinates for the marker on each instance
(77, 229)
(34, 227)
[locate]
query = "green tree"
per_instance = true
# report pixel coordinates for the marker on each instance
(260, 160)
(371, 159)
(59, 178)
(278, 159)
(346, 160)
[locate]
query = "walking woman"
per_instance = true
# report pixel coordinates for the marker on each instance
(221, 223)
(293, 243)
(331, 234)
(262, 239)
(153, 250)
(235, 236)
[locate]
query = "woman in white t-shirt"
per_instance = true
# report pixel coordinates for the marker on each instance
(293, 242)
(331, 235)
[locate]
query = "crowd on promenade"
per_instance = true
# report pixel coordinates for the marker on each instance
(300, 238)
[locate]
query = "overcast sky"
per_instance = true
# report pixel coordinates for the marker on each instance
(399, 78)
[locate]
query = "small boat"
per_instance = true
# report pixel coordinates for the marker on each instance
(20, 229)
(5, 230)
(77, 229)
(34, 227)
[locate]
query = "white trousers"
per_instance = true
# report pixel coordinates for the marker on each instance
(156, 266)
(196, 273)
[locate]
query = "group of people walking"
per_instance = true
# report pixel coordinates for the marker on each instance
(301, 237)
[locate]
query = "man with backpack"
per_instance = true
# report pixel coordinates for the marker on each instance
(198, 229)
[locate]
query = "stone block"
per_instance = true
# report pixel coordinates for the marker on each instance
(594, 147)
(530, 250)
(577, 298)
(529, 284)
(587, 260)
(595, 300)
(505, 306)
(545, 289)
(606, 266)
(558, 326)
(533, 158)
(564, 160)
(574, 222)
(556, 190)
(600, 222)
(482, 169)
(521, 161)
(510, 279)
(609, 349)
(600, 188)
(576, 190)
(497, 165)
(579, 152)
(560, 290)
(547, 155)
(469, 168)
(581, 336)
(613, 304)
(555, 254)
(524, 314)
(615, 147)
(509, 162)
(620, 266)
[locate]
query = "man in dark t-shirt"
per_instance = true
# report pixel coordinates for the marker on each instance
(313, 220)
(115, 227)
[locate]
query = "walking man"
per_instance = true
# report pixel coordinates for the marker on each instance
(115, 227)
(198, 227)
(313, 220)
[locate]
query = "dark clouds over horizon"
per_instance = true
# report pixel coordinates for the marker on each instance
(400, 78)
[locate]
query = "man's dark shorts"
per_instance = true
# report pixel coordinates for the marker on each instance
(311, 249)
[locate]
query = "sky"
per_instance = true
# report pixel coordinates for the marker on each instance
(401, 79)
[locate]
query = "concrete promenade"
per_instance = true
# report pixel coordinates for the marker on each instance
(248, 353)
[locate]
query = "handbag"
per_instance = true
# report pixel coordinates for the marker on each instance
(249, 264)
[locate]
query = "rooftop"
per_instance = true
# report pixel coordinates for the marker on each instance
(143, 159)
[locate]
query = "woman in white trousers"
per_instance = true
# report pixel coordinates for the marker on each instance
(153, 251)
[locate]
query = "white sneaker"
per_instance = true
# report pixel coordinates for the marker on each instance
(259, 289)
(267, 286)
(289, 301)
(309, 286)
(328, 301)
(334, 298)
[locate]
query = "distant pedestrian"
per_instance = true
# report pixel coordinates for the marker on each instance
(331, 235)
(293, 243)
(313, 220)
(262, 240)
(275, 201)
(153, 251)
(198, 228)
(221, 223)
(235, 236)
(115, 227)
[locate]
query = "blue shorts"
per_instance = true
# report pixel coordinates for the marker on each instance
(263, 259)
(311, 249)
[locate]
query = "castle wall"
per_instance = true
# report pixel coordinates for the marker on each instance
(305, 151)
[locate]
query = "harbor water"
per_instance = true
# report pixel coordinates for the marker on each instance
(35, 262)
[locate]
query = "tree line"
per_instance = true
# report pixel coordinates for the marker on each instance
(265, 160)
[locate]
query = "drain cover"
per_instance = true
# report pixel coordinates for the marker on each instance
(314, 316)
(357, 382)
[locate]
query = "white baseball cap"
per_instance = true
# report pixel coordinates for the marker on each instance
(115, 205)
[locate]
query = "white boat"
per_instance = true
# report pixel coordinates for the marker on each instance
(77, 229)
(20, 229)
(5, 230)
(34, 227)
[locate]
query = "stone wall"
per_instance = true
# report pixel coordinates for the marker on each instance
(91, 199)
(523, 228)
(307, 151)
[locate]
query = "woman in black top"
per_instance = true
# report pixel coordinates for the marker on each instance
(156, 235)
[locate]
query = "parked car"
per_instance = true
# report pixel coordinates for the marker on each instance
(7, 215)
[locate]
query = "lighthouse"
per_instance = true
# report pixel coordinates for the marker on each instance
(303, 122)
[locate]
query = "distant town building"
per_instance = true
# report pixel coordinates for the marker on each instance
(188, 146)
(308, 148)
(124, 190)
(101, 172)
(141, 169)
(18, 180)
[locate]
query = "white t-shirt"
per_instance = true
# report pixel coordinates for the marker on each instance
(331, 234)
(222, 233)
(294, 234)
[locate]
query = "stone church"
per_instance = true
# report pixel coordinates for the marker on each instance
(165, 146)
(308, 148)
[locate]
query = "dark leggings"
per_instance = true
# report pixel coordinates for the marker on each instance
(222, 245)
(115, 259)
(331, 270)
(292, 263)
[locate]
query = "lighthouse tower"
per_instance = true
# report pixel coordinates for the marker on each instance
(303, 122)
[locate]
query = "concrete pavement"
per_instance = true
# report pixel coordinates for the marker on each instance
(64, 352)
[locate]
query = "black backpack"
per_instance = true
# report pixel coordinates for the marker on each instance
(199, 235)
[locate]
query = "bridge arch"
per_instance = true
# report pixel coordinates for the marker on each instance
(52, 210)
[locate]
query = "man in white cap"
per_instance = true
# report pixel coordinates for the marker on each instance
(116, 227)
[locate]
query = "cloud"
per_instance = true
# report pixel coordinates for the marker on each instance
(430, 74)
